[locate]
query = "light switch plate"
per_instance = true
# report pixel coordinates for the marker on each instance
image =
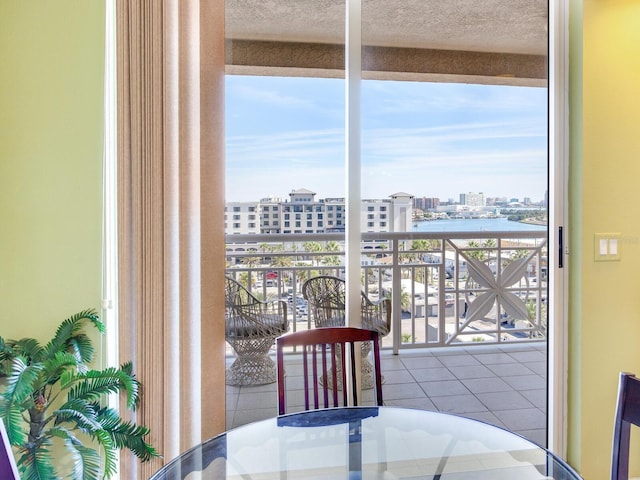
(606, 247)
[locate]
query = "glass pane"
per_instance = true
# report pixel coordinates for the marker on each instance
(454, 149)
(284, 169)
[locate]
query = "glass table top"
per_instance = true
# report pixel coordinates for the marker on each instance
(367, 443)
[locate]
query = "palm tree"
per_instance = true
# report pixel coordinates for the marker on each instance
(49, 393)
(313, 248)
(332, 247)
(481, 255)
(405, 298)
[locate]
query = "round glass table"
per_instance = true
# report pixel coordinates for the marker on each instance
(367, 443)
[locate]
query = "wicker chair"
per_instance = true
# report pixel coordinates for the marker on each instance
(325, 295)
(251, 327)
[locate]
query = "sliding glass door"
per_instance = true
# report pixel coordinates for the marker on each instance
(401, 147)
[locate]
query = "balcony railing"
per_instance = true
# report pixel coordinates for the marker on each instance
(446, 289)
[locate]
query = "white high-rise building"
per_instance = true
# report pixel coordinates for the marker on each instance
(242, 217)
(472, 199)
(303, 214)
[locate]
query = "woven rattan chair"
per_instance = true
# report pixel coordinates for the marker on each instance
(251, 327)
(325, 295)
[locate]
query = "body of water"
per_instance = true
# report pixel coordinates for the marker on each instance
(475, 225)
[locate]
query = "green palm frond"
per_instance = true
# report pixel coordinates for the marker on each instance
(127, 434)
(87, 464)
(93, 384)
(13, 422)
(132, 401)
(80, 412)
(70, 328)
(54, 367)
(80, 346)
(110, 452)
(35, 463)
(23, 381)
(17, 397)
(6, 354)
(29, 348)
(86, 460)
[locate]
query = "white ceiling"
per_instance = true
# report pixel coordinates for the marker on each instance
(501, 26)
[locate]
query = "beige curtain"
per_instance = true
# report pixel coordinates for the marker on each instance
(170, 61)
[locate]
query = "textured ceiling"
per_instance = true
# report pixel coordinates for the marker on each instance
(501, 26)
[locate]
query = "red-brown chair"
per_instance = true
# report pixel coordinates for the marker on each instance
(627, 414)
(324, 366)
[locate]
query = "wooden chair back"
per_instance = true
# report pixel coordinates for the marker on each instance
(324, 366)
(8, 467)
(627, 414)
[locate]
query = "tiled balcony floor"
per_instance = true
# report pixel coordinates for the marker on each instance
(504, 385)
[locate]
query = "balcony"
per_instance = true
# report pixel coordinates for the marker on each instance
(469, 317)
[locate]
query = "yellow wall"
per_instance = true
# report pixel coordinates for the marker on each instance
(51, 120)
(605, 170)
(50, 189)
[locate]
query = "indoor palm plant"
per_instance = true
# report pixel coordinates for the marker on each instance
(49, 393)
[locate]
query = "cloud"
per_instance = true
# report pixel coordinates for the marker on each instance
(429, 140)
(270, 97)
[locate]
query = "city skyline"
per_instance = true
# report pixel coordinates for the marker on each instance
(425, 139)
(449, 199)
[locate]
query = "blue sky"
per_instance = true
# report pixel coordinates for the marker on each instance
(426, 139)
